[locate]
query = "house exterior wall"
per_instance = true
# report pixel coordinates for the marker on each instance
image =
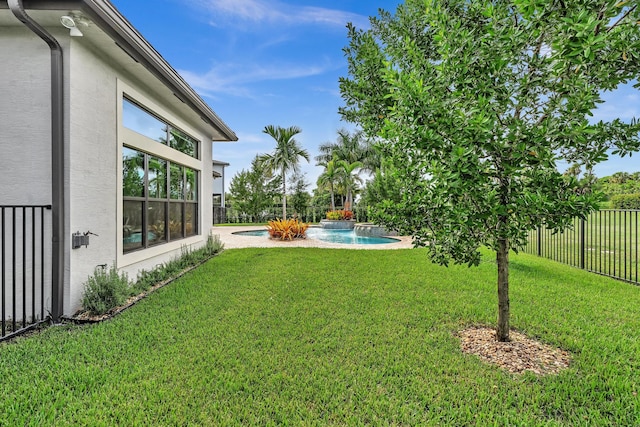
(218, 183)
(95, 193)
(25, 118)
(94, 87)
(92, 190)
(25, 168)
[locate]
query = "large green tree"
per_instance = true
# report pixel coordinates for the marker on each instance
(619, 183)
(300, 198)
(384, 185)
(252, 191)
(477, 102)
(285, 157)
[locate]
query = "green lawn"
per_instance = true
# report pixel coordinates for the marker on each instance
(333, 337)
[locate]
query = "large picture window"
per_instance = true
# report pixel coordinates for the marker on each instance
(145, 123)
(160, 200)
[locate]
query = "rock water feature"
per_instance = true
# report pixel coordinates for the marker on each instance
(372, 230)
(365, 229)
(337, 224)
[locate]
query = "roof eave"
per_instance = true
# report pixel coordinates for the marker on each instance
(136, 46)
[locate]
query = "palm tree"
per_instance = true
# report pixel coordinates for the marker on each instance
(328, 179)
(285, 157)
(350, 179)
(350, 147)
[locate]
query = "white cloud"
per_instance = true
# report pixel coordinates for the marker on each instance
(232, 79)
(333, 90)
(279, 13)
(610, 111)
(621, 103)
(252, 10)
(253, 138)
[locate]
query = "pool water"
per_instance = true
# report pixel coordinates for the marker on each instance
(347, 237)
(137, 237)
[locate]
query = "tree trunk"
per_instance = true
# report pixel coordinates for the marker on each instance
(333, 201)
(284, 196)
(502, 258)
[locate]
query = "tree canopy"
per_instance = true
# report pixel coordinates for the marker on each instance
(350, 147)
(252, 191)
(300, 198)
(476, 102)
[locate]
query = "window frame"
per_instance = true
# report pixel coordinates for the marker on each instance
(147, 199)
(169, 127)
(136, 141)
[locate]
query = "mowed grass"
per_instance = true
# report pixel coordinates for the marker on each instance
(334, 337)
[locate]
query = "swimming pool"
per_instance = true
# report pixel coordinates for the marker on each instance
(347, 237)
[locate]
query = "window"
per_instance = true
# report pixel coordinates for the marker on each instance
(140, 120)
(160, 200)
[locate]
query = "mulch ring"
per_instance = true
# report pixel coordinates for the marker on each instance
(517, 356)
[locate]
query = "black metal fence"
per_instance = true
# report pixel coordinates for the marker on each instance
(607, 243)
(219, 215)
(222, 215)
(25, 247)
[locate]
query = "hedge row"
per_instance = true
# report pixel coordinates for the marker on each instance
(625, 201)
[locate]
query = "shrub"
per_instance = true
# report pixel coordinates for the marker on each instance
(186, 259)
(213, 246)
(287, 229)
(148, 278)
(333, 215)
(625, 201)
(105, 289)
(340, 215)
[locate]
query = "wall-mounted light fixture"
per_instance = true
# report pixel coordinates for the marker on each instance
(70, 23)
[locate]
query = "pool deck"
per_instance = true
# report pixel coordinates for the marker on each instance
(235, 241)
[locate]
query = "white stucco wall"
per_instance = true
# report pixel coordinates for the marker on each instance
(92, 166)
(93, 90)
(25, 118)
(95, 192)
(25, 168)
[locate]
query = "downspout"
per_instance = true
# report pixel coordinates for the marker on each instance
(57, 159)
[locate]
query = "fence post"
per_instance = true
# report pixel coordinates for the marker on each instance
(540, 241)
(582, 242)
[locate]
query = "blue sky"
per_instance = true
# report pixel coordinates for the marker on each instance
(262, 62)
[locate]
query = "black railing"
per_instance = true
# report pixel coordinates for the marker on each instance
(222, 215)
(25, 247)
(607, 243)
